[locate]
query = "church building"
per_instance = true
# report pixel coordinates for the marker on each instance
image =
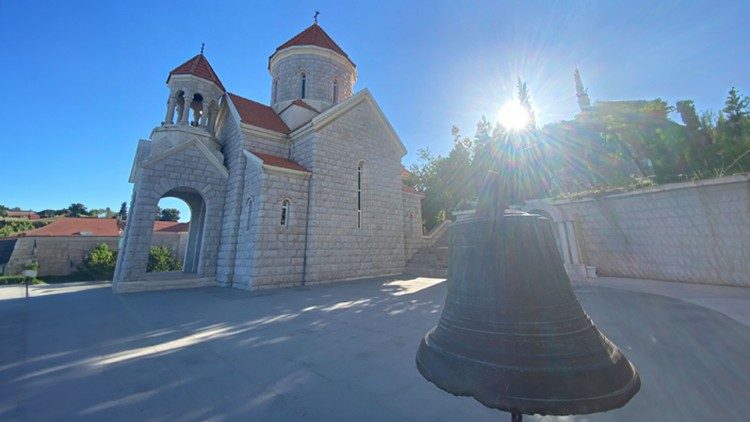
(308, 189)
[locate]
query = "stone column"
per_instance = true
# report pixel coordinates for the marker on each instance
(171, 105)
(138, 234)
(204, 117)
(211, 119)
(186, 109)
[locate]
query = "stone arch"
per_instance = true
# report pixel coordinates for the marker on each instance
(198, 208)
(133, 258)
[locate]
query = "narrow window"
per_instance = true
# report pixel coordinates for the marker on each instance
(284, 212)
(335, 91)
(359, 196)
(304, 80)
(275, 89)
(249, 213)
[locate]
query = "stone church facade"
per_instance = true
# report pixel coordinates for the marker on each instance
(308, 189)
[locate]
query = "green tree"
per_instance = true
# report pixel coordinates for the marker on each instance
(123, 213)
(99, 263)
(445, 181)
(161, 258)
(78, 210)
(732, 134)
(524, 97)
(169, 214)
(48, 213)
(735, 106)
(3, 210)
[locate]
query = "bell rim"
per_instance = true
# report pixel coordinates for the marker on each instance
(529, 406)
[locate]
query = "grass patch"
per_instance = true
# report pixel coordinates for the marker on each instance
(71, 278)
(18, 279)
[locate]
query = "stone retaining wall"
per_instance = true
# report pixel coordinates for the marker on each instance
(60, 255)
(692, 232)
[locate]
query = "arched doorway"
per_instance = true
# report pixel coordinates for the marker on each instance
(196, 207)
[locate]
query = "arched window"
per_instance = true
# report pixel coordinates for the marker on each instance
(197, 106)
(335, 91)
(359, 194)
(285, 212)
(274, 89)
(304, 81)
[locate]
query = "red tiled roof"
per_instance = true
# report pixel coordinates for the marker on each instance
(171, 227)
(304, 105)
(74, 226)
(272, 160)
(405, 173)
(31, 215)
(409, 189)
(257, 114)
(198, 66)
(314, 35)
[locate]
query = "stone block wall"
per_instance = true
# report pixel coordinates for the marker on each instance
(337, 249)
(248, 246)
(319, 72)
(232, 146)
(61, 255)
(188, 170)
(413, 236)
(279, 257)
(266, 146)
(693, 232)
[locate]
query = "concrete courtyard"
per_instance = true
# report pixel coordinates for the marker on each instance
(335, 352)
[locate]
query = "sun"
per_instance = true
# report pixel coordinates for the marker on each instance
(513, 116)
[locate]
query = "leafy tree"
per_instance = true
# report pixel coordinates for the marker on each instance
(169, 214)
(78, 210)
(524, 97)
(48, 213)
(445, 181)
(99, 263)
(3, 210)
(161, 258)
(735, 106)
(123, 213)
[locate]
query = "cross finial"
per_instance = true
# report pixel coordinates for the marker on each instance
(203, 45)
(315, 18)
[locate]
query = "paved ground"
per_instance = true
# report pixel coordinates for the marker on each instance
(343, 352)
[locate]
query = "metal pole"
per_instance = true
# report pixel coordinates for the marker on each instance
(516, 417)
(26, 281)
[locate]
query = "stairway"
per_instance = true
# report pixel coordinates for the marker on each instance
(431, 260)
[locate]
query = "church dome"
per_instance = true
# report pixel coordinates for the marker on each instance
(311, 67)
(314, 35)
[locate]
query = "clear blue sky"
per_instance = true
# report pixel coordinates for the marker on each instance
(83, 81)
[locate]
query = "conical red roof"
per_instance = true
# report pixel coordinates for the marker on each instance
(314, 35)
(198, 66)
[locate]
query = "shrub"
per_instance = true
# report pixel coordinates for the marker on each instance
(161, 258)
(31, 265)
(99, 263)
(18, 279)
(14, 227)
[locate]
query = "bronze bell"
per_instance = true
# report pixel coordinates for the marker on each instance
(512, 333)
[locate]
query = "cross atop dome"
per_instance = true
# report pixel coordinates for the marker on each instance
(314, 35)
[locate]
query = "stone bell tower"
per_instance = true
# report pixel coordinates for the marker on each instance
(182, 159)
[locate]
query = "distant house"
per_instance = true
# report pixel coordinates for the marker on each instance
(29, 215)
(61, 245)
